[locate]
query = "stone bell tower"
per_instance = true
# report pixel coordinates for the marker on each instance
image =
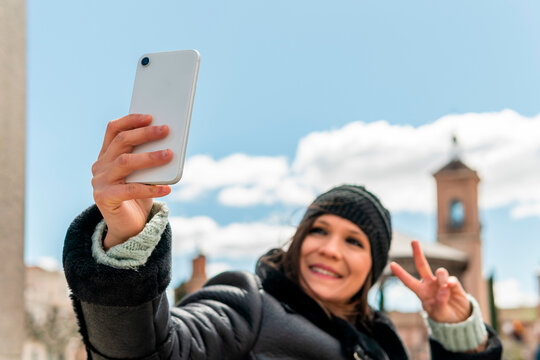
(12, 160)
(458, 223)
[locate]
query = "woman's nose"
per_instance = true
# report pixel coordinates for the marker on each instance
(331, 248)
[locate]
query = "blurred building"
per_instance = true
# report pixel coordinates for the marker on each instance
(520, 330)
(458, 224)
(458, 248)
(195, 282)
(459, 245)
(12, 163)
(413, 332)
(51, 327)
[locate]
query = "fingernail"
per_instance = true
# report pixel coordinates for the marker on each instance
(164, 153)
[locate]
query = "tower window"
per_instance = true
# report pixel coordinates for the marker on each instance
(457, 214)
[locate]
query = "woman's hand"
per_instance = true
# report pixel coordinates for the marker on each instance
(442, 297)
(125, 207)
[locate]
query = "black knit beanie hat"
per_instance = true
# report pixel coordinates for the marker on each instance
(364, 209)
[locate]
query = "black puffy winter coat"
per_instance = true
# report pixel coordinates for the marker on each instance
(124, 314)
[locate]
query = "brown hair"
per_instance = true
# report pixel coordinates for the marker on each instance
(290, 264)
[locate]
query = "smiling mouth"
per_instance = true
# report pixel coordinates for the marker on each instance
(324, 272)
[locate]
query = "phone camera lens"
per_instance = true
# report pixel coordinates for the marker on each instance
(145, 61)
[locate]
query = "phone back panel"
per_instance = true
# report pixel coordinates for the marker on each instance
(165, 89)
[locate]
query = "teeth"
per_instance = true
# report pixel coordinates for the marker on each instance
(324, 272)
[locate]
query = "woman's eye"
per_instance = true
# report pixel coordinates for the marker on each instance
(317, 230)
(355, 242)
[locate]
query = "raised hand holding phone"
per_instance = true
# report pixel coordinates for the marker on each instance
(164, 87)
(148, 146)
(125, 207)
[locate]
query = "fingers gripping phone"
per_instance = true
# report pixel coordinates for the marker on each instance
(165, 88)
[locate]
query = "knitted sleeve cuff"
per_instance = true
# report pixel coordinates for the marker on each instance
(137, 249)
(463, 336)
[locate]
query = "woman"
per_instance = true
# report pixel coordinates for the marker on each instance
(309, 302)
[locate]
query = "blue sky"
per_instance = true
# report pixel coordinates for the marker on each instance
(282, 85)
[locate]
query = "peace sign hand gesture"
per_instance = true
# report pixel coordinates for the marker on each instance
(442, 296)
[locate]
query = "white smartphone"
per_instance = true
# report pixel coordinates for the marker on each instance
(164, 87)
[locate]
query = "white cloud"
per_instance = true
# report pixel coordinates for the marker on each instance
(508, 294)
(233, 240)
(524, 210)
(48, 263)
(395, 161)
(242, 196)
(203, 174)
(214, 268)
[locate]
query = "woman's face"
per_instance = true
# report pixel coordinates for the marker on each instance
(335, 259)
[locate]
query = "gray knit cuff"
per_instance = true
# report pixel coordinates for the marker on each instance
(137, 249)
(463, 336)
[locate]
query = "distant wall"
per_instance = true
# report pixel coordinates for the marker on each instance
(12, 163)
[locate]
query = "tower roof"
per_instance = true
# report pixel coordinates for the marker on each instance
(438, 255)
(454, 165)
